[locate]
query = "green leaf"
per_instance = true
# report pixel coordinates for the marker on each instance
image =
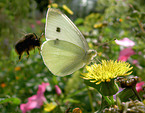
(79, 21)
(13, 100)
(126, 94)
(43, 20)
(71, 100)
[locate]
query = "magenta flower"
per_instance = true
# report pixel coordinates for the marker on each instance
(32, 26)
(125, 54)
(125, 42)
(38, 22)
(36, 101)
(57, 89)
(139, 86)
(135, 62)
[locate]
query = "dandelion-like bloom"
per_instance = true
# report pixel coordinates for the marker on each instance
(106, 71)
(102, 76)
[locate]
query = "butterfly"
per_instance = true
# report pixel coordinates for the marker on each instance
(65, 49)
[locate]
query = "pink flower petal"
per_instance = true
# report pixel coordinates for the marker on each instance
(57, 89)
(32, 26)
(139, 86)
(38, 22)
(125, 54)
(125, 42)
(134, 62)
(42, 87)
(35, 101)
(123, 58)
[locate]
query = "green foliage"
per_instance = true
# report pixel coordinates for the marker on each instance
(16, 101)
(124, 97)
(19, 80)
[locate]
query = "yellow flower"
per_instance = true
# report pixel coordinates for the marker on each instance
(90, 45)
(3, 85)
(98, 25)
(143, 101)
(17, 78)
(99, 53)
(49, 6)
(120, 20)
(49, 107)
(67, 9)
(54, 5)
(106, 71)
(18, 68)
(77, 110)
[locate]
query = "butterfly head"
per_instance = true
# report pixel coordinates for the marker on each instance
(90, 55)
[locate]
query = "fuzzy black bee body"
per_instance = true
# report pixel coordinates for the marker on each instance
(27, 43)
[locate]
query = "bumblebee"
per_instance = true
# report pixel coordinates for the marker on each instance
(27, 43)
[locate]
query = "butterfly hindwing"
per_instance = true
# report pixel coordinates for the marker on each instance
(62, 57)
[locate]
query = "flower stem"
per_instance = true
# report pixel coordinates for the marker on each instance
(140, 25)
(112, 99)
(90, 99)
(108, 100)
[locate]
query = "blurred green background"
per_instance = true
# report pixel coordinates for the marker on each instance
(100, 21)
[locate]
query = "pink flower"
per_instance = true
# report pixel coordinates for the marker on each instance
(125, 42)
(139, 86)
(135, 62)
(125, 54)
(57, 89)
(38, 22)
(32, 26)
(36, 101)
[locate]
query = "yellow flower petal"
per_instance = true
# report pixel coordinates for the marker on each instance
(67, 9)
(49, 107)
(106, 71)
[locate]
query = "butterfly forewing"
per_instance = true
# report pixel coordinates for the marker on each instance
(59, 26)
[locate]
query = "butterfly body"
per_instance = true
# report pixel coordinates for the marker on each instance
(65, 49)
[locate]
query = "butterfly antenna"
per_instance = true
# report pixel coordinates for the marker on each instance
(99, 61)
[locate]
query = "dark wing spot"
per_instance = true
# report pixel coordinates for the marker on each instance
(56, 41)
(58, 29)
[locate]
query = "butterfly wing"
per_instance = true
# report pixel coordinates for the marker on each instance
(62, 57)
(59, 26)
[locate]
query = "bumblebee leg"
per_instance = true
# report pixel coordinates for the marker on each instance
(34, 49)
(27, 54)
(19, 57)
(39, 49)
